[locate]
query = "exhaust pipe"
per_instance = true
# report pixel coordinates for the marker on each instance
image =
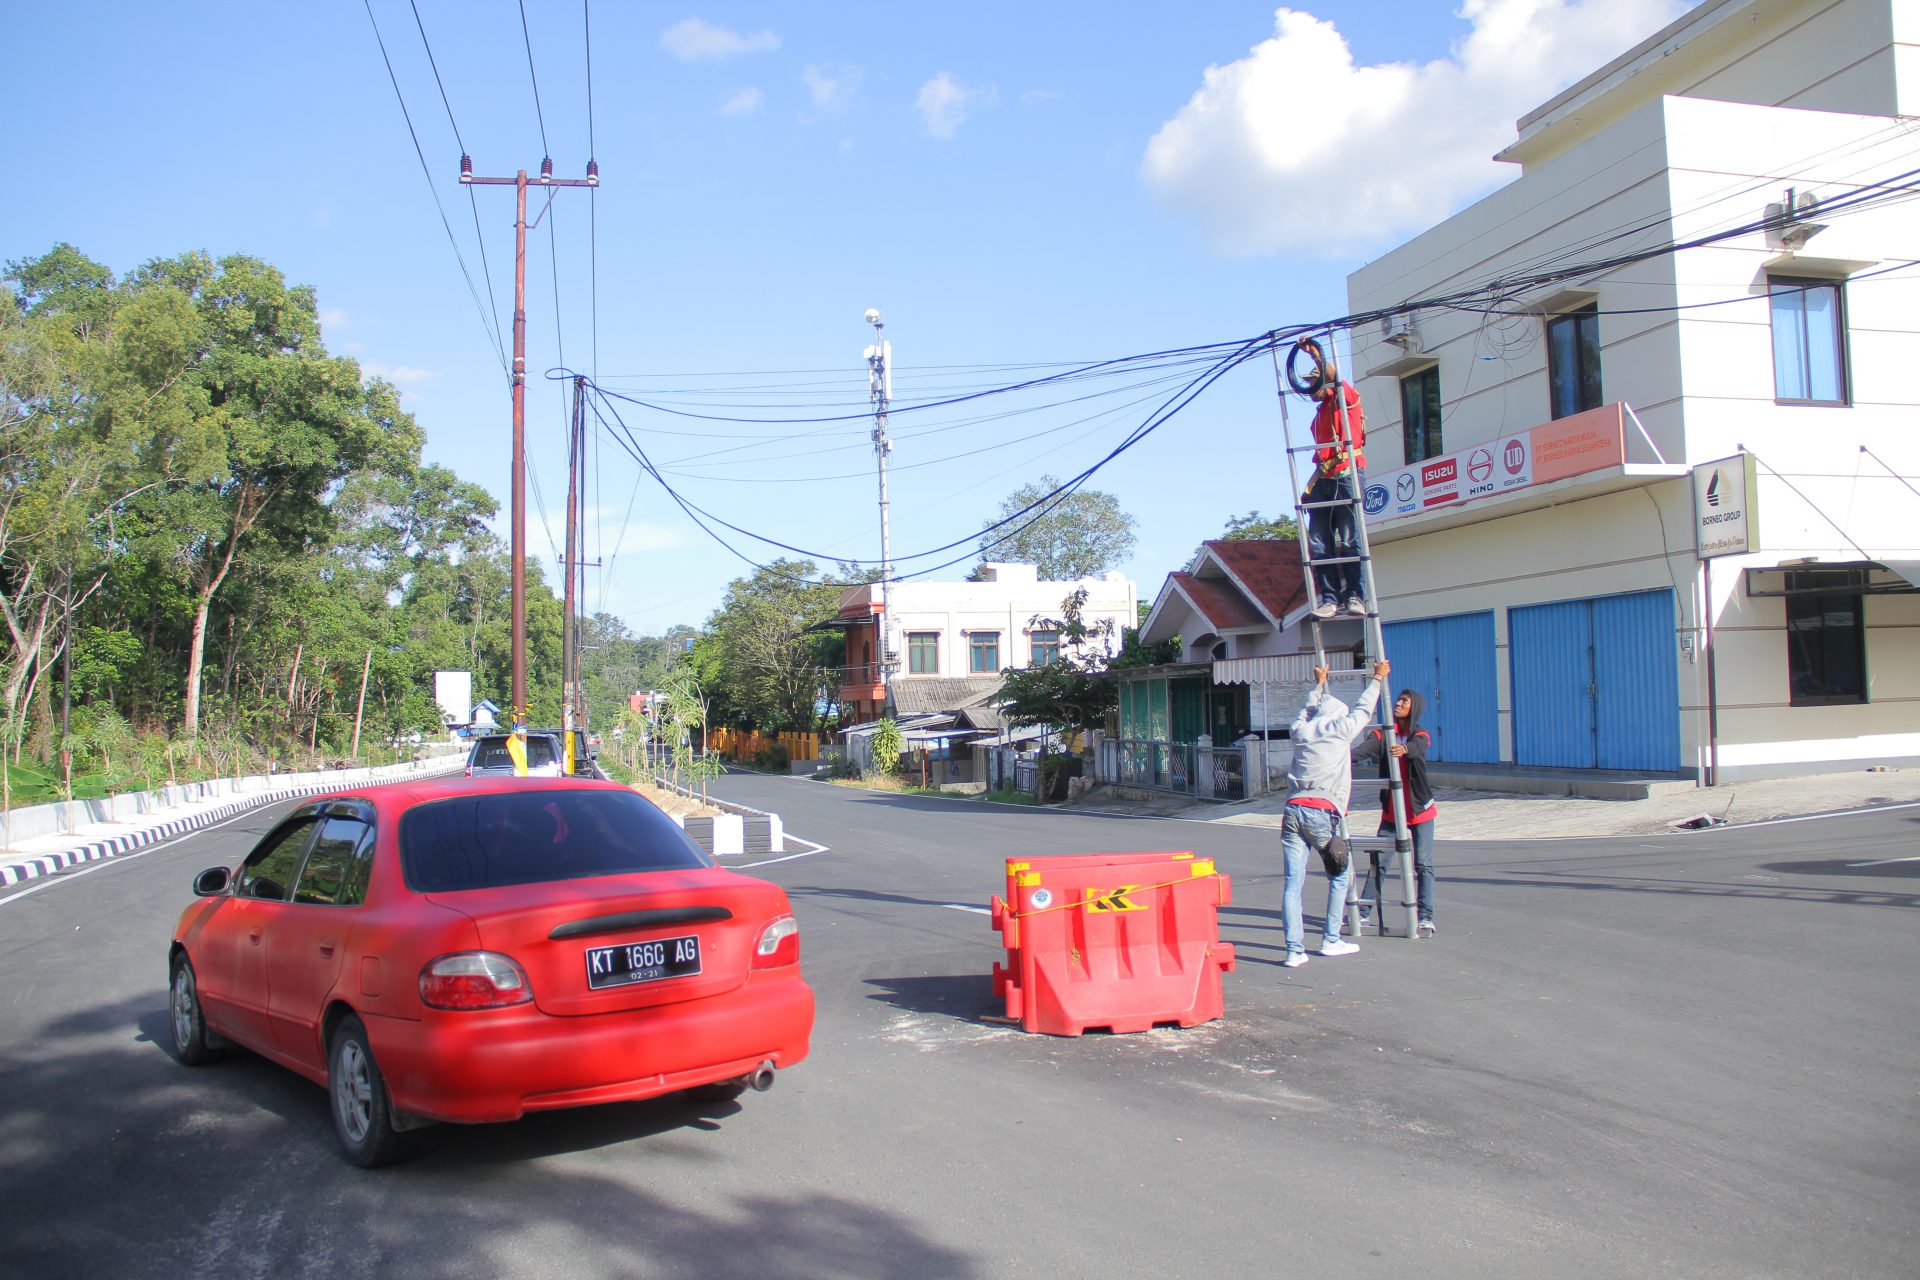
(761, 1078)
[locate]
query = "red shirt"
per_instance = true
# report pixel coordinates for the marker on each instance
(1336, 459)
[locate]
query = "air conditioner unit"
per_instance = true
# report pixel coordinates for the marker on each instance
(1789, 220)
(1400, 331)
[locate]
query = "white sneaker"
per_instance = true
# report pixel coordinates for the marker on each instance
(1325, 609)
(1338, 947)
(1357, 607)
(1294, 960)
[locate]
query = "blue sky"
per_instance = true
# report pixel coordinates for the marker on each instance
(1009, 184)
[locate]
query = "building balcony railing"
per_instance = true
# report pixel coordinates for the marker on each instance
(861, 675)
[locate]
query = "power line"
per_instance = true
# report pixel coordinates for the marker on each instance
(527, 37)
(427, 173)
(486, 267)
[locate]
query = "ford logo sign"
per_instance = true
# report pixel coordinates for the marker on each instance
(1376, 499)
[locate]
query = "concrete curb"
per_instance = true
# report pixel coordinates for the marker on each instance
(47, 864)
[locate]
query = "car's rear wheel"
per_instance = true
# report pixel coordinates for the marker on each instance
(362, 1115)
(190, 1041)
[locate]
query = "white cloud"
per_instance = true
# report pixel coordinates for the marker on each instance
(692, 40)
(400, 375)
(334, 318)
(833, 88)
(1294, 147)
(945, 103)
(743, 103)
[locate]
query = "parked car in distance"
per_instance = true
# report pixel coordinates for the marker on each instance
(490, 758)
(469, 950)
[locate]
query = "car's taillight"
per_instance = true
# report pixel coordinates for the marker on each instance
(469, 771)
(473, 980)
(779, 944)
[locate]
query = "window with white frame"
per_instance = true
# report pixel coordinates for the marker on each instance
(1809, 341)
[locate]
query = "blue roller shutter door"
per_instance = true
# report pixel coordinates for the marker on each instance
(1637, 712)
(1468, 701)
(1450, 662)
(1595, 683)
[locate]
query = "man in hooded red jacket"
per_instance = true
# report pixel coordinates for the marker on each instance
(1409, 749)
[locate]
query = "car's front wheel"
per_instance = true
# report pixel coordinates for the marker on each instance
(362, 1115)
(190, 1037)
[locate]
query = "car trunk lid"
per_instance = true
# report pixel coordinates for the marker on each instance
(610, 943)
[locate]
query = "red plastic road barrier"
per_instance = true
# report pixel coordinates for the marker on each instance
(1124, 941)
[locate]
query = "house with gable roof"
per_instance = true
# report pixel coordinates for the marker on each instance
(1245, 664)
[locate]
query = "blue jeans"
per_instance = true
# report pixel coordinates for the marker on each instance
(1330, 533)
(1303, 829)
(1422, 833)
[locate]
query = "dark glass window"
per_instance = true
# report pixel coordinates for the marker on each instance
(1573, 361)
(271, 867)
(983, 649)
(1809, 341)
(529, 837)
(923, 653)
(1826, 641)
(336, 870)
(1420, 415)
(1045, 647)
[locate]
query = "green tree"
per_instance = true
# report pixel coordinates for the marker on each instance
(1077, 535)
(1254, 525)
(759, 657)
(276, 425)
(1073, 691)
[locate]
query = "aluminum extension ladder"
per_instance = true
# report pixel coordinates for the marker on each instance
(1373, 647)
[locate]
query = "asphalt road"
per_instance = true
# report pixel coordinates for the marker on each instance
(1683, 1055)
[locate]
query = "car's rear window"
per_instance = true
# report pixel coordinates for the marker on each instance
(492, 753)
(527, 837)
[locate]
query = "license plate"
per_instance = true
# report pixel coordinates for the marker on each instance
(632, 962)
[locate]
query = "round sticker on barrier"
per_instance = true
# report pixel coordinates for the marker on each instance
(1041, 899)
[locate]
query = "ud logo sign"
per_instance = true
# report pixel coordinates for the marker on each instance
(1376, 499)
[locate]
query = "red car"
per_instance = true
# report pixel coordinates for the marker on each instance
(473, 949)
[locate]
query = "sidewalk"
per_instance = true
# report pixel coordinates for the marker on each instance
(1491, 815)
(38, 856)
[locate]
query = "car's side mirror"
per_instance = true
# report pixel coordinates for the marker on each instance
(211, 882)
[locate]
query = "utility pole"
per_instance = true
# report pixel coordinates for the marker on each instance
(569, 650)
(880, 391)
(520, 182)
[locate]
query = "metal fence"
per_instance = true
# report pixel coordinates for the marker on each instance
(1208, 773)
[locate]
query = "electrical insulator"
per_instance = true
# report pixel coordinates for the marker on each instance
(546, 168)
(593, 171)
(466, 165)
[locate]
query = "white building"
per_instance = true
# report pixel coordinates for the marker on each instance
(950, 641)
(1532, 486)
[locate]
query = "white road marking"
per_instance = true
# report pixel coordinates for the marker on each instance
(959, 906)
(1884, 862)
(101, 864)
(767, 862)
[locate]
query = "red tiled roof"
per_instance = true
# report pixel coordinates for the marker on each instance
(1219, 602)
(1267, 568)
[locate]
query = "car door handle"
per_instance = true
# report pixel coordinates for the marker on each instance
(326, 948)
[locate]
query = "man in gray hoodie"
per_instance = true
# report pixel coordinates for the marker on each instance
(1318, 781)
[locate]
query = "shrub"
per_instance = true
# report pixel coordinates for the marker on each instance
(887, 744)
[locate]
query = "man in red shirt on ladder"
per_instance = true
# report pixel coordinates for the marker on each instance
(1340, 463)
